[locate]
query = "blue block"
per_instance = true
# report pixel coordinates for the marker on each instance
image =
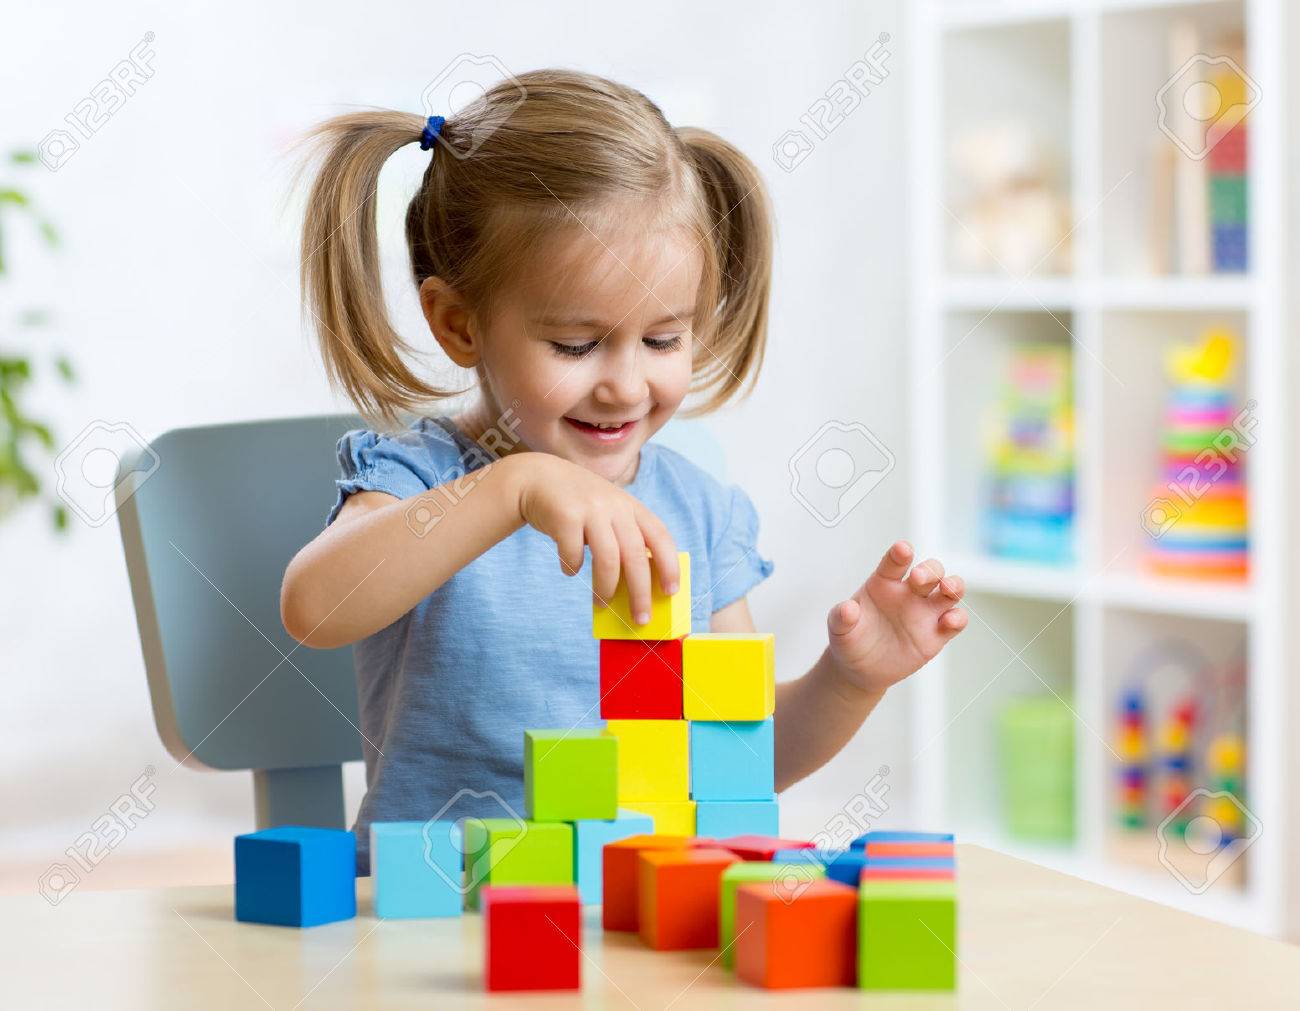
(722, 819)
(808, 855)
(922, 837)
(912, 863)
(589, 839)
(733, 761)
(416, 868)
(294, 876)
(847, 867)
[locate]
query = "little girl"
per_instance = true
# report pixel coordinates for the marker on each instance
(593, 265)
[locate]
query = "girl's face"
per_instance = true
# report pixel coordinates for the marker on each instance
(592, 351)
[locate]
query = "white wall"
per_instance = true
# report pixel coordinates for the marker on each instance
(176, 297)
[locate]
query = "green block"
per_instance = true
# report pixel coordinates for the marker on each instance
(1228, 205)
(786, 879)
(907, 935)
(507, 851)
(1036, 745)
(570, 775)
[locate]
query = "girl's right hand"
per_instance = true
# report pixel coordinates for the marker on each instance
(575, 507)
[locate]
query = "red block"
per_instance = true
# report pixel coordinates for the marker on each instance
(677, 896)
(760, 847)
(533, 937)
(619, 864)
(804, 941)
(640, 679)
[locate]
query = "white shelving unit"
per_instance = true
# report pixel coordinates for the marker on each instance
(1072, 628)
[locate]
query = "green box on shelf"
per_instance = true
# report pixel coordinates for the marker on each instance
(907, 935)
(1036, 752)
(512, 851)
(570, 775)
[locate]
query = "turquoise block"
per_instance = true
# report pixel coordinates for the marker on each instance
(416, 867)
(722, 819)
(733, 761)
(589, 839)
(296, 876)
(808, 855)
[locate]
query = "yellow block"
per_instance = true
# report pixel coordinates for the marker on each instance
(729, 676)
(671, 817)
(670, 614)
(654, 761)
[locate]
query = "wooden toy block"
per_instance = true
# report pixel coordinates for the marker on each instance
(589, 840)
(677, 896)
(508, 851)
(806, 855)
(640, 680)
(900, 837)
(416, 869)
(847, 867)
(570, 775)
(729, 676)
(621, 876)
(670, 614)
(780, 880)
(907, 935)
(671, 817)
(296, 876)
(760, 847)
(809, 940)
(532, 938)
(653, 760)
(737, 817)
(733, 761)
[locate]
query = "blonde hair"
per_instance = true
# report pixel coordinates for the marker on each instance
(509, 170)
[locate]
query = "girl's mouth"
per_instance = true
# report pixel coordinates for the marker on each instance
(603, 432)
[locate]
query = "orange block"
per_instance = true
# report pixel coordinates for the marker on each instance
(677, 897)
(619, 910)
(909, 849)
(810, 940)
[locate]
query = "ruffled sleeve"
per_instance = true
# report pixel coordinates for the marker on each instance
(399, 466)
(735, 564)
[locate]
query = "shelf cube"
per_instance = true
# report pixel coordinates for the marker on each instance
(760, 847)
(653, 759)
(737, 817)
(589, 840)
(416, 868)
(640, 680)
(809, 940)
(570, 774)
(670, 614)
(907, 935)
(532, 938)
(296, 876)
(781, 880)
(729, 676)
(508, 851)
(621, 875)
(733, 761)
(671, 817)
(677, 896)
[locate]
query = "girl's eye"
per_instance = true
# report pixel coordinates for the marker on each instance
(672, 343)
(572, 350)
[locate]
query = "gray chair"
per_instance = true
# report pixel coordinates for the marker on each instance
(210, 517)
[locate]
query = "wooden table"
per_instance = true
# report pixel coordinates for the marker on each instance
(1028, 938)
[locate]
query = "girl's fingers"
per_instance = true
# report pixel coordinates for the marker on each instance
(925, 577)
(895, 561)
(660, 543)
(568, 544)
(636, 569)
(605, 561)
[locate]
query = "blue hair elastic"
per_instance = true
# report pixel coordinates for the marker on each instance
(431, 131)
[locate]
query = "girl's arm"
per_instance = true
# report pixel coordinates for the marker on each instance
(374, 562)
(894, 624)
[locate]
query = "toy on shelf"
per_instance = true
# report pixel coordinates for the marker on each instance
(1197, 520)
(1029, 508)
(1036, 738)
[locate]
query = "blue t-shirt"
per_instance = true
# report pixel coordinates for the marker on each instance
(505, 645)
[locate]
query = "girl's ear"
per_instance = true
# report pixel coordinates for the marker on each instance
(451, 322)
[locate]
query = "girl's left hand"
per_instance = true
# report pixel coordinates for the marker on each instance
(893, 626)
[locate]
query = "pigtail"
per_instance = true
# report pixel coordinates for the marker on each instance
(741, 221)
(340, 275)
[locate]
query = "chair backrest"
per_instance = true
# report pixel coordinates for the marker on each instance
(210, 518)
